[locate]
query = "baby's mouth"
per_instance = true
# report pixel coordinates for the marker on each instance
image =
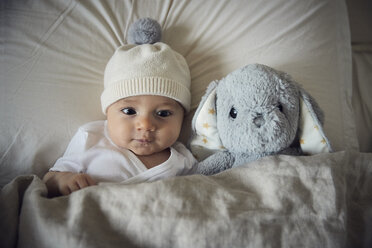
(143, 141)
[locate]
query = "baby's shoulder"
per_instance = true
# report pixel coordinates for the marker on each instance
(182, 149)
(93, 127)
(92, 132)
(178, 146)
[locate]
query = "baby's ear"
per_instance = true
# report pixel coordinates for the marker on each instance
(312, 137)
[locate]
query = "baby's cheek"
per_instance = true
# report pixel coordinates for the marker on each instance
(120, 137)
(171, 135)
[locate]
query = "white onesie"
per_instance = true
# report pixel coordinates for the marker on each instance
(91, 151)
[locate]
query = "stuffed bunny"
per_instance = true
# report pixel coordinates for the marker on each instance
(254, 112)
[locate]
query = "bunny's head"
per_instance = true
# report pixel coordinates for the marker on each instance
(256, 111)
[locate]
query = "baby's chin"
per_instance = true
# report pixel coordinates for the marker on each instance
(145, 150)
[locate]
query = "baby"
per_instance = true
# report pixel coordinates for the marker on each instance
(145, 98)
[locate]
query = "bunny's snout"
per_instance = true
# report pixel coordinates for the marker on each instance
(258, 120)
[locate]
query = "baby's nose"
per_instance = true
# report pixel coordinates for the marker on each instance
(145, 123)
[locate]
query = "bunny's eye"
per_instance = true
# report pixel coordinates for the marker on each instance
(280, 107)
(233, 113)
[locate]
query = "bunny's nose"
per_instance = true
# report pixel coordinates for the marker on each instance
(259, 120)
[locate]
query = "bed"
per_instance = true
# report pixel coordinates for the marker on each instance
(53, 55)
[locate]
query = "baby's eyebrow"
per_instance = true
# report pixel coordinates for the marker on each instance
(125, 100)
(135, 101)
(166, 104)
(172, 105)
(127, 103)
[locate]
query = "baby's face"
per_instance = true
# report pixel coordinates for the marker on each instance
(145, 124)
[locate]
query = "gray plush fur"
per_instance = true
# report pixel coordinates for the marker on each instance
(144, 31)
(266, 106)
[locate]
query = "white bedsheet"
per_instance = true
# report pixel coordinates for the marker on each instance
(53, 55)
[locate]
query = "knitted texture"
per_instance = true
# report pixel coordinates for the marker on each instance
(144, 31)
(148, 69)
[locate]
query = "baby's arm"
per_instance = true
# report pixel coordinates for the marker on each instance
(64, 183)
(65, 178)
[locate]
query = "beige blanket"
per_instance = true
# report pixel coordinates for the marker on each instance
(281, 201)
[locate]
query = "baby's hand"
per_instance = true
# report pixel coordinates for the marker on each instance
(66, 182)
(69, 182)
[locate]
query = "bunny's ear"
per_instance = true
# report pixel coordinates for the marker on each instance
(311, 134)
(205, 139)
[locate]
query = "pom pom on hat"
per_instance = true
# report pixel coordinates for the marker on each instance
(144, 31)
(146, 69)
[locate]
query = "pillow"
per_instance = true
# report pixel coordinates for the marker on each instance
(362, 101)
(54, 55)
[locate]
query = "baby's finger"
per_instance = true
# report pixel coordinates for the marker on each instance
(90, 181)
(85, 180)
(73, 186)
(82, 182)
(65, 190)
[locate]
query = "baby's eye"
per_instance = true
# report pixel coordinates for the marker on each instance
(129, 111)
(163, 113)
(233, 113)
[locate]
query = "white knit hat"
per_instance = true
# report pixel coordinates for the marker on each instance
(148, 69)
